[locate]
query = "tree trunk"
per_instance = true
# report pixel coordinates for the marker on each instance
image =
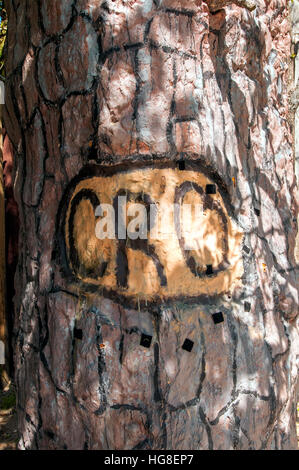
(124, 344)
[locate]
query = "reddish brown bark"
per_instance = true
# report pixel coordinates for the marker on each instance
(105, 83)
(216, 5)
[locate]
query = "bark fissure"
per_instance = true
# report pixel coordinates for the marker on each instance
(103, 83)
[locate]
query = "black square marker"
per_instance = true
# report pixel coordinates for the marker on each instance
(211, 189)
(78, 334)
(247, 306)
(218, 318)
(257, 212)
(188, 345)
(182, 165)
(146, 341)
(209, 270)
(246, 249)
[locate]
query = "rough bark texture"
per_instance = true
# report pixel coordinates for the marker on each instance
(11, 242)
(294, 98)
(215, 5)
(108, 82)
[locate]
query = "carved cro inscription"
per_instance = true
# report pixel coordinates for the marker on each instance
(151, 233)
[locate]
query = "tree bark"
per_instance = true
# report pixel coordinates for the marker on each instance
(96, 89)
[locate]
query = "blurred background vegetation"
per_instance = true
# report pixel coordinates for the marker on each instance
(3, 29)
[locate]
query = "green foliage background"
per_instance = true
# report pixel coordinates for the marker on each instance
(3, 29)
